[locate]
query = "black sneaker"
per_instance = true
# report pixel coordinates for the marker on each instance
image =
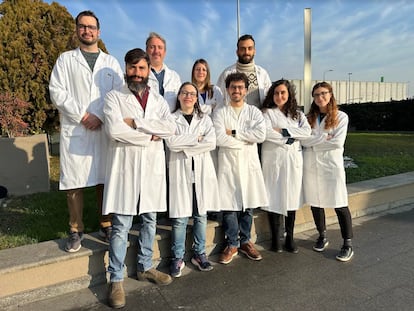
(345, 254)
(105, 233)
(73, 243)
(321, 244)
(177, 265)
(201, 262)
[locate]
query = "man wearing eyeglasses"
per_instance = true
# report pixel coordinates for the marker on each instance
(259, 80)
(79, 81)
(239, 128)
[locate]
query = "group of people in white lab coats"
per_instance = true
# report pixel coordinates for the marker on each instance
(127, 130)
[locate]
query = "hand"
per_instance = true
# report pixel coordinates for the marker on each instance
(155, 138)
(277, 129)
(228, 132)
(200, 138)
(91, 122)
(130, 122)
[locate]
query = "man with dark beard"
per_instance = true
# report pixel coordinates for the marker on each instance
(79, 82)
(137, 118)
(259, 80)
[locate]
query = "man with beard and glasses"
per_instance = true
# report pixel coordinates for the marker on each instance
(259, 80)
(137, 118)
(78, 84)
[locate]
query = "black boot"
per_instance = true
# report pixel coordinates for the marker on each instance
(290, 244)
(276, 229)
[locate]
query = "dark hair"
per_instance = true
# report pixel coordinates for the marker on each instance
(332, 113)
(87, 13)
(208, 87)
(197, 108)
(291, 106)
(135, 55)
(237, 76)
(244, 38)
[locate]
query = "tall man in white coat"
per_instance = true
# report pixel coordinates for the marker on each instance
(137, 118)
(259, 80)
(163, 79)
(78, 84)
(239, 128)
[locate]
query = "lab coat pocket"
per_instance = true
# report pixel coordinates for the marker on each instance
(73, 130)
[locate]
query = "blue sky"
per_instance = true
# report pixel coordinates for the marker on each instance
(369, 38)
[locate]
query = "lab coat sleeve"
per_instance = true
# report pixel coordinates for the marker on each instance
(254, 129)
(60, 95)
(302, 131)
(208, 141)
(163, 127)
(115, 126)
(221, 83)
(272, 135)
(224, 140)
(338, 135)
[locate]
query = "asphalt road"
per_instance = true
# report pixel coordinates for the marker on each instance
(379, 277)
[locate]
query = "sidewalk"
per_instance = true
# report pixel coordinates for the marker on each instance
(379, 277)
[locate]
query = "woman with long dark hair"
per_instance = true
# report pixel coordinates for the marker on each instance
(282, 161)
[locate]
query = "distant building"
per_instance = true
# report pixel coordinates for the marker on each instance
(355, 92)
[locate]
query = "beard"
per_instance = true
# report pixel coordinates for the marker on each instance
(87, 42)
(136, 86)
(245, 59)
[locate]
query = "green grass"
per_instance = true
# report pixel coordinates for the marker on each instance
(44, 216)
(378, 155)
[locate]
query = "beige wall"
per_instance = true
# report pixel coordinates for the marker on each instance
(24, 164)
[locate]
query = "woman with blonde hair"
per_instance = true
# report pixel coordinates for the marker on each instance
(210, 96)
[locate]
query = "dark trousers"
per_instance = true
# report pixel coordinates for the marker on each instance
(344, 219)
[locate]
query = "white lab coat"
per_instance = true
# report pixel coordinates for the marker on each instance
(324, 180)
(209, 104)
(135, 168)
(282, 163)
(75, 90)
(263, 81)
(240, 176)
(184, 146)
(172, 83)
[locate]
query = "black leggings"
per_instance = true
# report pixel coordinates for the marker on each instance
(344, 219)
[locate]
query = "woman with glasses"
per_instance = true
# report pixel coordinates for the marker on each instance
(324, 173)
(209, 95)
(282, 161)
(192, 178)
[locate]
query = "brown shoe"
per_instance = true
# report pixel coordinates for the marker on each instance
(153, 275)
(250, 251)
(116, 295)
(228, 254)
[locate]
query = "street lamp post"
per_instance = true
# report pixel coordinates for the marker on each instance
(329, 70)
(349, 87)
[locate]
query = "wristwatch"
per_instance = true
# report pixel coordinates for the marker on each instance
(233, 133)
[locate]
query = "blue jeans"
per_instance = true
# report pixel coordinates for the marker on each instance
(237, 223)
(179, 232)
(121, 224)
